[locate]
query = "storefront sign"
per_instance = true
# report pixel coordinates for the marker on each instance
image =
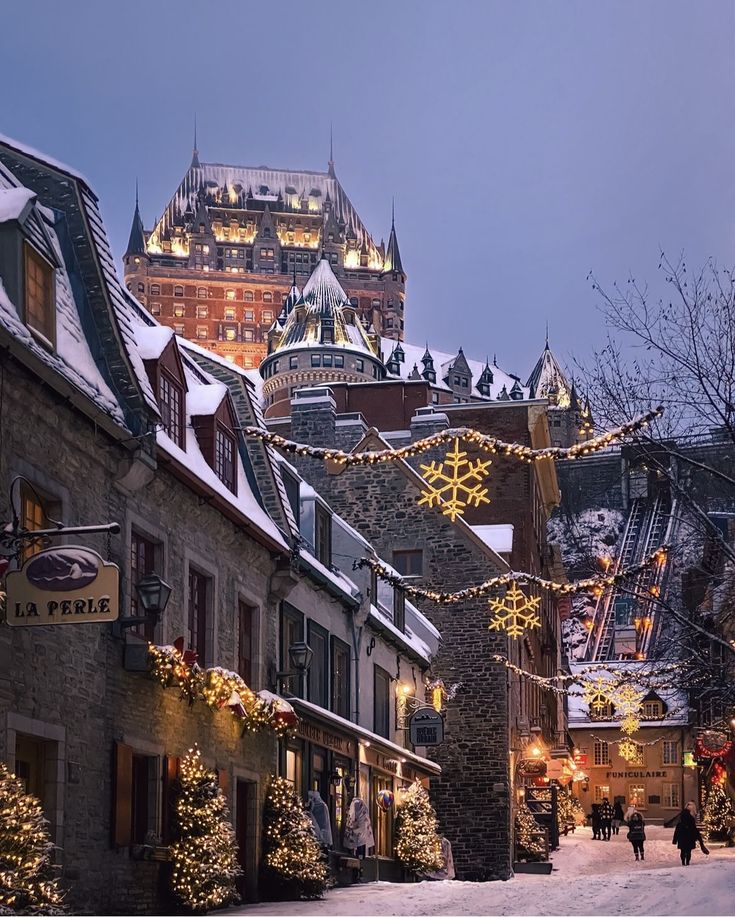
(63, 585)
(614, 774)
(426, 727)
(530, 767)
(326, 738)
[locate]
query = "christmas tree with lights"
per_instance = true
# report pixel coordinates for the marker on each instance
(529, 840)
(293, 865)
(418, 845)
(204, 858)
(28, 884)
(564, 809)
(719, 813)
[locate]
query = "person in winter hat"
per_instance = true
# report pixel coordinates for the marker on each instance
(629, 811)
(637, 834)
(606, 817)
(618, 817)
(595, 820)
(687, 835)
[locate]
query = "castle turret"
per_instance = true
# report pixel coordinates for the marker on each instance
(395, 286)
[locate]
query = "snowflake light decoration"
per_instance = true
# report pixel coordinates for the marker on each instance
(514, 612)
(630, 723)
(627, 698)
(628, 750)
(458, 482)
(597, 692)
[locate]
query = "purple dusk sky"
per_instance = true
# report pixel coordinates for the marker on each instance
(526, 143)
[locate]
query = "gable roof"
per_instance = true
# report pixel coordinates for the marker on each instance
(373, 441)
(102, 300)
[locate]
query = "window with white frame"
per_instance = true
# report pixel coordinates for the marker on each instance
(602, 792)
(670, 752)
(601, 753)
(671, 795)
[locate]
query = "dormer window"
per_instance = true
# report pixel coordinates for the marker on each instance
(40, 302)
(224, 458)
(171, 406)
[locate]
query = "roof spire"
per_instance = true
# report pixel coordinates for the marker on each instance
(330, 168)
(195, 153)
(393, 212)
(136, 240)
(392, 262)
(547, 334)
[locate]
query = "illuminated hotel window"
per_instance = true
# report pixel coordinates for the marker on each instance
(267, 315)
(179, 311)
(178, 329)
(249, 297)
(230, 294)
(229, 315)
(202, 311)
(267, 296)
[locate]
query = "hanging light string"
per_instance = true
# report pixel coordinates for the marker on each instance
(594, 584)
(473, 437)
(556, 683)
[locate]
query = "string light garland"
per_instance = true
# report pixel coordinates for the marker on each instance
(590, 584)
(474, 438)
(515, 612)
(204, 858)
(218, 688)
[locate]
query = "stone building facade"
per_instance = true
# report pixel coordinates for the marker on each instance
(232, 241)
(106, 417)
(491, 719)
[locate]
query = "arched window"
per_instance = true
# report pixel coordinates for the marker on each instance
(201, 292)
(267, 296)
(178, 290)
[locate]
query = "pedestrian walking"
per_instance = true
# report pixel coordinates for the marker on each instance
(637, 834)
(606, 817)
(595, 819)
(687, 835)
(618, 817)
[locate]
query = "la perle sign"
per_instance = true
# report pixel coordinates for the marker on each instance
(63, 585)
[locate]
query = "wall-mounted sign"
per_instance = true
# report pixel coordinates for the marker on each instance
(426, 727)
(317, 734)
(531, 767)
(64, 585)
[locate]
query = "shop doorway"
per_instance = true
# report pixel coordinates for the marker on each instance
(37, 766)
(246, 794)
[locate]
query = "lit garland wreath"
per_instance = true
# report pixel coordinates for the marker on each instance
(218, 688)
(473, 437)
(591, 584)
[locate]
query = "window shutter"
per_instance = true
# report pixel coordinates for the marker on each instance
(223, 779)
(122, 804)
(170, 775)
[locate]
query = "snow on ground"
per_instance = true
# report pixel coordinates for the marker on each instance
(589, 877)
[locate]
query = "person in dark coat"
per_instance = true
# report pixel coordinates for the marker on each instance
(595, 818)
(686, 837)
(606, 817)
(637, 834)
(618, 817)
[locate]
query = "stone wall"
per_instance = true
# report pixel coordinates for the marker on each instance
(472, 796)
(66, 685)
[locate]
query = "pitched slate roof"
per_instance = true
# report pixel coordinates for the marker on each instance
(323, 301)
(393, 256)
(548, 380)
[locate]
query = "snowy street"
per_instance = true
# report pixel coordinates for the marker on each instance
(589, 877)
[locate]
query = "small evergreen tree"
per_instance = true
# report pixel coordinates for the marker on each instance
(719, 814)
(204, 857)
(27, 881)
(418, 845)
(529, 839)
(564, 809)
(293, 865)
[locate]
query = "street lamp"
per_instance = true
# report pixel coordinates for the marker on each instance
(300, 655)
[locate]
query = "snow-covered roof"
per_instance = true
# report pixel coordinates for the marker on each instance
(374, 739)
(266, 185)
(675, 699)
(13, 202)
(548, 380)
(152, 340)
(324, 301)
(498, 537)
(442, 360)
(71, 357)
(205, 399)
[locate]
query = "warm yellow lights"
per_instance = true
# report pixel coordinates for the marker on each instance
(455, 483)
(515, 612)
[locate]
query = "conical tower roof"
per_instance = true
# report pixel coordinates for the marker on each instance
(321, 306)
(393, 255)
(136, 242)
(548, 380)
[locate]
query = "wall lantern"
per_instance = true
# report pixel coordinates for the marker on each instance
(153, 595)
(300, 655)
